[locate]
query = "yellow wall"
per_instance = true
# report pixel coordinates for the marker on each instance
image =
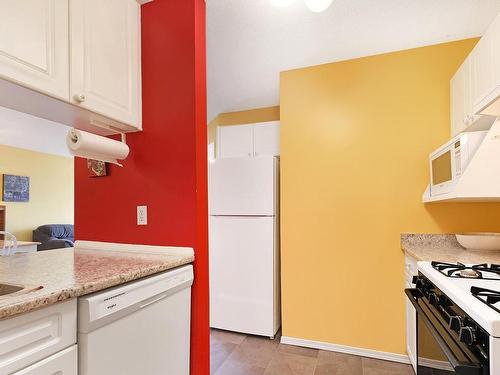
(242, 117)
(51, 190)
(355, 140)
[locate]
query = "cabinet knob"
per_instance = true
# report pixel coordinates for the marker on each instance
(80, 98)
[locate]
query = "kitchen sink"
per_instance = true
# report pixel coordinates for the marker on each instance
(6, 289)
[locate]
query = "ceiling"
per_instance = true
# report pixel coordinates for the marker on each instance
(249, 41)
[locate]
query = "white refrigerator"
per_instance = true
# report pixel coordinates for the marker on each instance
(244, 245)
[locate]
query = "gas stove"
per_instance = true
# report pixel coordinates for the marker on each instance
(460, 305)
(490, 297)
(474, 271)
(460, 290)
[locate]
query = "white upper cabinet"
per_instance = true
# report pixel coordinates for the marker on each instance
(34, 45)
(259, 139)
(486, 63)
(459, 97)
(475, 87)
(75, 62)
(267, 139)
(235, 141)
(495, 50)
(105, 58)
(482, 68)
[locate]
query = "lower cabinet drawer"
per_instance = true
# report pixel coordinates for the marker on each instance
(63, 363)
(31, 337)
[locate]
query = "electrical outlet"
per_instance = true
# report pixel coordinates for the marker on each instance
(142, 215)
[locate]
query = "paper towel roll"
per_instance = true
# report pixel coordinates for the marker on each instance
(92, 146)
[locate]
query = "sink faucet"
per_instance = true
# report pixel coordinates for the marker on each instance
(9, 246)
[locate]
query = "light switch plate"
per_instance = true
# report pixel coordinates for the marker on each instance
(142, 215)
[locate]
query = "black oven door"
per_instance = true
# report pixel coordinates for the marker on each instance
(438, 351)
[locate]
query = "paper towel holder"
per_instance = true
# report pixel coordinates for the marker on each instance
(74, 138)
(91, 146)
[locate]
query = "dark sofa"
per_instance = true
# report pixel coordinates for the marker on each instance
(54, 236)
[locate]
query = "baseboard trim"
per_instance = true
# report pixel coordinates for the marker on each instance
(400, 358)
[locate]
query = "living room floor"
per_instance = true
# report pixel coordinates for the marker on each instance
(239, 354)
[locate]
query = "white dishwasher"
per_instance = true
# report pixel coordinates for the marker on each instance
(138, 328)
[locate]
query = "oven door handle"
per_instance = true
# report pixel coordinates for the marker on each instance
(464, 368)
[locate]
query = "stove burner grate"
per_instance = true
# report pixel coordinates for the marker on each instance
(487, 296)
(477, 271)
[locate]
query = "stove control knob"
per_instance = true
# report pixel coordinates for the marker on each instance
(455, 323)
(443, 301)
(420, 284)
(468, 335)
(433, 299)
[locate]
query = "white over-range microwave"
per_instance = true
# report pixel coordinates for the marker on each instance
(448, 163)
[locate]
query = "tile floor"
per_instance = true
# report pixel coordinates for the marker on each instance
(238, 354)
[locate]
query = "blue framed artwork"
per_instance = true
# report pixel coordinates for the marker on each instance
(16, 188)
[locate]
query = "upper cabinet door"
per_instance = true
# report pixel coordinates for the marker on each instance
(267, 139)
(234, 141)
(458, 100)
(495, 50)
(34, 45)
(482, 68)
(105, 58)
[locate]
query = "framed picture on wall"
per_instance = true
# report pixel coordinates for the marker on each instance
(15, 188)
(96, 168)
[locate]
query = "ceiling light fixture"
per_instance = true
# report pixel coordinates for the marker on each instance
(318, 6)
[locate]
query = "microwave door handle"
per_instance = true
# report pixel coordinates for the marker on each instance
(464, 368)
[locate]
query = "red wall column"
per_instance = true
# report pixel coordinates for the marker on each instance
(167, 166)
(200, 337)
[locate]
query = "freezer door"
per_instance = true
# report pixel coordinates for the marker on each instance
(244, 279)
(243, 186)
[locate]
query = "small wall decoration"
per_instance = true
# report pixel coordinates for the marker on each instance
(16, 188)
(96, 168)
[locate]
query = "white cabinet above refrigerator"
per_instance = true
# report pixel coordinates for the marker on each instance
(258, 139)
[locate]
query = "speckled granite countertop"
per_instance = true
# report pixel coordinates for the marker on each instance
(69, 273)
(444, 248)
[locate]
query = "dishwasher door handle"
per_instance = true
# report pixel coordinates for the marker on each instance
(157, 299)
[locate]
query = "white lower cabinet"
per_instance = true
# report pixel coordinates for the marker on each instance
(411, 314)
(63, 363)
(32, 338)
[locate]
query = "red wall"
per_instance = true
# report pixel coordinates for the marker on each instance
(167, 166)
